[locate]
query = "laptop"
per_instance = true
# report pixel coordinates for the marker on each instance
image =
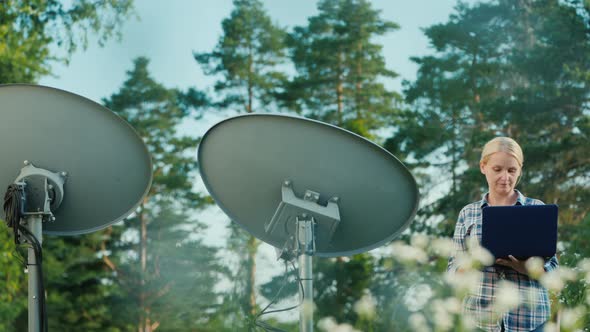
(522, 231)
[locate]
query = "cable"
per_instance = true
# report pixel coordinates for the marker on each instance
(13, 204)
(263, 312)
(14, 200)
(300, 283)
(267, 327)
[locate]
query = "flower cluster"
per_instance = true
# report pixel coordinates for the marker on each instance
(437, 306)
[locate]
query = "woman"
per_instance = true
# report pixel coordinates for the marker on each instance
(501, 163)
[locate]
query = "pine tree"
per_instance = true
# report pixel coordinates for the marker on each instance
(340, 68)
(247, 58)
(502, 68)
(166, 274)
(338, 80)
(30, 32)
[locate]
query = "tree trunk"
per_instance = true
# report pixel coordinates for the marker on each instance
(144, 319)
(251, 287)
(454, 162)
(250, 84)
(340, 90)
(358, 84)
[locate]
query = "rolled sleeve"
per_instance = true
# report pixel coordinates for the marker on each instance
(551, 264)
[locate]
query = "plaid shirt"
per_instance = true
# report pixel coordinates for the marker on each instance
(534, 309)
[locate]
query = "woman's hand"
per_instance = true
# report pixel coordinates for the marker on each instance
(513, 263)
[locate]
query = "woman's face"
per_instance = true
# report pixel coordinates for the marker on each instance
(502, 171)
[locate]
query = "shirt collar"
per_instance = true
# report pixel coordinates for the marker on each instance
(520, 199)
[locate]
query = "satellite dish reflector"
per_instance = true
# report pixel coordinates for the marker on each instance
(259, 166)
(101, 162)
(307, 188)
(71, 166)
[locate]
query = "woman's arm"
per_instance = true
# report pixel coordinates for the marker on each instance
(520, 266)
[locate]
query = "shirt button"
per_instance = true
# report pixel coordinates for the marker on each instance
(502, 275)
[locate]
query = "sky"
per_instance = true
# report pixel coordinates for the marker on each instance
(168, 32)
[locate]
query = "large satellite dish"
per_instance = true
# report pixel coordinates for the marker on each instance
(107, 166)
(78, 166)
(306, 187)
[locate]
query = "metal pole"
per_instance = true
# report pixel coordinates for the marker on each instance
(34, 225)
(306, 246)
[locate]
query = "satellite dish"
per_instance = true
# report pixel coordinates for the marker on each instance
(306, 187)
(106, 165)
(73, 167)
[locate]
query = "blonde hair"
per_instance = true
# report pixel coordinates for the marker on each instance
(502, 144)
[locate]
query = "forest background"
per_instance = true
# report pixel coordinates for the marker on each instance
(513, 68)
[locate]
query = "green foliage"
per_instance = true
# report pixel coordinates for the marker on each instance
(29, 29)
(78, 284)
(155, 112)
(13, 298)
(520, 69)
(340, 283)
(246, 56)
(164, 272)
(31, 32)
(578, 248)
(500, 69)
(340, 67)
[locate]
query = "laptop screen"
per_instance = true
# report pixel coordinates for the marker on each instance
(522, 231)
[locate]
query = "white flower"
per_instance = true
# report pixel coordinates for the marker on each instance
(472, 242)
(308, 307)
(478, 253)
(327, 323)
(482, 255)
(584, 265)
(442, 318)
(550, 327)
(567, 274)
(552, 281)
(442, 247)
(468, 322)
(453, 305)
(556, 279)
(365, 307)
(464, 261)
(571, 317)
(408, 254)
(418, 323)
(465, 282)
(475, 257)
(507, 296)
(344, 327)
(535, 267)
(417, 296)
(419, 241)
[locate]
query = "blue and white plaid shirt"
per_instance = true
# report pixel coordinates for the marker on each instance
(479, 305)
